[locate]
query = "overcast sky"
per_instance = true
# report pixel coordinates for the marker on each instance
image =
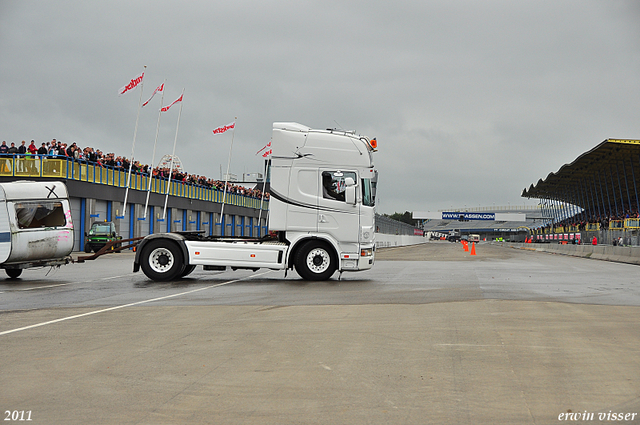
(471, 101)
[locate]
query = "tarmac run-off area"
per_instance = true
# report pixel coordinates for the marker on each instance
(430, 335)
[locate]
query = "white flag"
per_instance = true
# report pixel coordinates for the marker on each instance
(268, 145)
(160, 88)
(132, 84)
(224, 128)
(166, 108)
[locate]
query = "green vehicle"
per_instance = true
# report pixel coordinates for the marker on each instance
(99, 235)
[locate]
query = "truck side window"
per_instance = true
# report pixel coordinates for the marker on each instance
(333, 185)
(32, 215)
(368, 192)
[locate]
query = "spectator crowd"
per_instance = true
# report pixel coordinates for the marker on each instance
(58, 150)
(580, 223)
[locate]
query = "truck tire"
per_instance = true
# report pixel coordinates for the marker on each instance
(87, 248)
(13, 273)
(161, 260)
(187, 270)
(315, 261)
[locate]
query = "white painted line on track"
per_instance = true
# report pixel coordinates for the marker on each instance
(116, 277)
(64, 284)
(43, 287)
(77, 316)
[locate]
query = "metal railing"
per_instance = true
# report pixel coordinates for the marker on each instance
(63, 168)
(632, 223)
(392, 227)
(626, 224)
(510, 208)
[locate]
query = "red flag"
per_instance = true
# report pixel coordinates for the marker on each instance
(224, 128)
(166, 108)
(132, 84)
(160, 88)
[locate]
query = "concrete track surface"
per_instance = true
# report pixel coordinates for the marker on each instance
(430, 335)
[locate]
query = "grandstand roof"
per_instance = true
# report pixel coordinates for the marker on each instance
(608, 173)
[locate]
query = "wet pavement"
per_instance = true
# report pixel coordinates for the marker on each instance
(430, 335)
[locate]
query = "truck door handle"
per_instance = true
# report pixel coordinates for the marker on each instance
(321, 218)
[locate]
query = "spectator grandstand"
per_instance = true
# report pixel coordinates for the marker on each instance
(55, 149)
(596, 194)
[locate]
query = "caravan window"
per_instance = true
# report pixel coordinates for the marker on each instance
(33, 215)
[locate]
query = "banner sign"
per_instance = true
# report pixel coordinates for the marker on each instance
(468, 216)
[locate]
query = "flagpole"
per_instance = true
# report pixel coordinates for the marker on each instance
(175, 141)
(153, 156)
(133, 145)
(264, 186)
(226, 178)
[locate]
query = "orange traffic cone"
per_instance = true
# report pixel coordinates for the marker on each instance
(465, 245)
(473, 248)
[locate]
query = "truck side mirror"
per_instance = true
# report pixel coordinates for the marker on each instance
(350, 191)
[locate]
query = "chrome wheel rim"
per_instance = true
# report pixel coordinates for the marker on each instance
(161, 260)
(318, 260)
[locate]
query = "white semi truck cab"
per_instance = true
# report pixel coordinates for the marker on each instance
(321, 210)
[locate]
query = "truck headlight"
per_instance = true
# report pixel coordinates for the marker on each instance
(366, 252)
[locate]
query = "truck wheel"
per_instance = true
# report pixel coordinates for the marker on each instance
(314, 261)
(162, 260)
(87, 248)
(13, 273)
(187, 270)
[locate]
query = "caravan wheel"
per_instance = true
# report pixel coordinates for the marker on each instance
(13, 273)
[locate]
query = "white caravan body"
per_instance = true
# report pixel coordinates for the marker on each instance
(35, 225)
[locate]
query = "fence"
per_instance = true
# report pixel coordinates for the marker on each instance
(393, 227)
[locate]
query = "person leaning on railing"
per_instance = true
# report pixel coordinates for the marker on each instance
(13, 150)
(59, 150)
(32, 149)
(42, 150)
(22, 149)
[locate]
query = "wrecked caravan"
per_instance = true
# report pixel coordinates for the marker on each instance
(35, 225)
